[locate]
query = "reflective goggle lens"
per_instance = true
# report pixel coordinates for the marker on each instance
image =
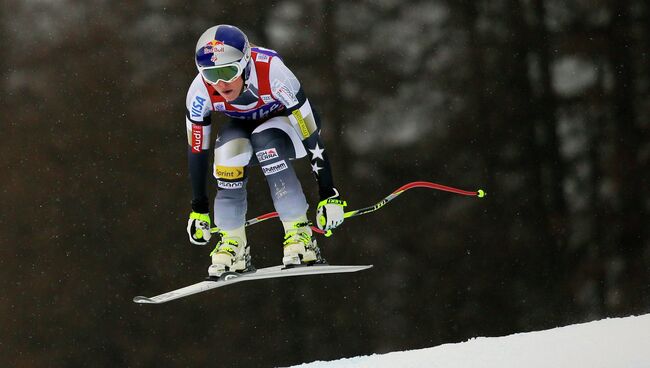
(224, 73)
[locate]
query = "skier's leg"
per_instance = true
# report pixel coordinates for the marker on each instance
(274, 155)
(274, 147)
(232, 154)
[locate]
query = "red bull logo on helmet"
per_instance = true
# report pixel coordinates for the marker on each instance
(213, 47)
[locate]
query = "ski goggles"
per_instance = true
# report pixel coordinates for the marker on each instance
(227, 73)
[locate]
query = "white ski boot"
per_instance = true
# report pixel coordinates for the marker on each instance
(232, 253)
(299, 247)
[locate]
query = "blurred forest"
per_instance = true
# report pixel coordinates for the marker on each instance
(543, 103)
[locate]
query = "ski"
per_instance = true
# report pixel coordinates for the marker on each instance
(230, 278)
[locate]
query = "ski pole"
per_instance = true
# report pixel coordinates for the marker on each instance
(480, 193)
(416, 184)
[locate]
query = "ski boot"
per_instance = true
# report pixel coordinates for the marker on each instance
(232, 253)
(299, 247)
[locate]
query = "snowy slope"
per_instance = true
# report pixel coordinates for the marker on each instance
(608, 343)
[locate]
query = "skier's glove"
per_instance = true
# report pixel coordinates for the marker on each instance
(198, 228)
(330, 213)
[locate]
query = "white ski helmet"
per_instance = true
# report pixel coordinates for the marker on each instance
(222, 53)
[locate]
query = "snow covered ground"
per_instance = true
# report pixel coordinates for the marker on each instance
(608, 343)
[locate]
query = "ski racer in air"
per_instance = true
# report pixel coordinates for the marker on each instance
(271, 122)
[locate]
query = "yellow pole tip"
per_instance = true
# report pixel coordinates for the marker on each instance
(481, 193)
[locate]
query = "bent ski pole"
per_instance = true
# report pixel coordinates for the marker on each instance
(416, 184)
(362, 211)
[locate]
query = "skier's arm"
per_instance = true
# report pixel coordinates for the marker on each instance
(309, 124)
(198, 163)
(330, 211)
(197, 125)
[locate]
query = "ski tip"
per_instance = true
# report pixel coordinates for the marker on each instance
(143, 300)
